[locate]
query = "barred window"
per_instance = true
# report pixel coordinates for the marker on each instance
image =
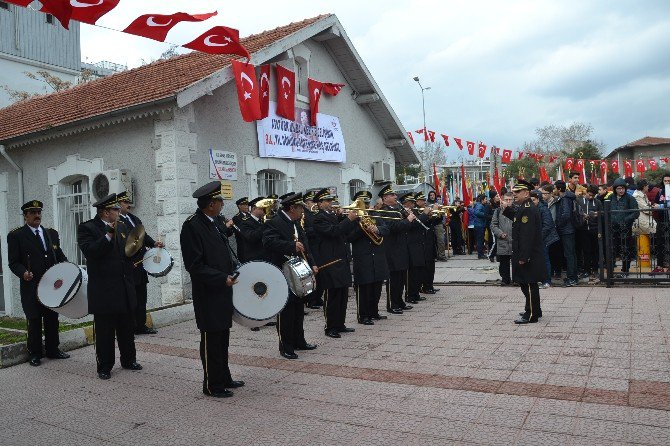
(356, 186)
(271, 182)
(73, 209)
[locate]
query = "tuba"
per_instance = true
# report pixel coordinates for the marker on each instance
(365, 221)
(267, 204)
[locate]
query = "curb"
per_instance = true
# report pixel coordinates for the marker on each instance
(13, 354)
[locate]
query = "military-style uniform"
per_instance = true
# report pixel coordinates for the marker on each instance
(140, 276)
(209, 262)
(527, 245)
(416, 244)
(279, 237)
(111, 290)
(314, 299)
(335, 280)
(36, 253)
(251, 230)
(238, 219)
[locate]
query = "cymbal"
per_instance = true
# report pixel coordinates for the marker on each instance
(135, 241)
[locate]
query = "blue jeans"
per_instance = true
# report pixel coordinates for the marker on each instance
(547, 262)
(568, 242)
(479, 238)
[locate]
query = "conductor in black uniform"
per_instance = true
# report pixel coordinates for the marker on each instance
(208, 260)
(331, 246)
(32, 250)
(111, 290)
(528, 265)
(370, 267)
(283, 236)
(139, 273)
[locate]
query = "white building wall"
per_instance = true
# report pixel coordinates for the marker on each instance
(12, 75)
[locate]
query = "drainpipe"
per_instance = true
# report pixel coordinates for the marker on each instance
(3, 151)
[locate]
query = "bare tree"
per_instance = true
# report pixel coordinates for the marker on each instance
(562, 139)
(53, 82)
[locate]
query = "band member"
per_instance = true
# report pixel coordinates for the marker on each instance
(397, 252)
(331, 246)
(528, 266)
(111, 290)
(283, 236)
(208, 260)
(242, 214)
(32, 250)
(430, 247)
(251, 230)
(315, 299)
(139, 273)
(370, 267)
(416, 241)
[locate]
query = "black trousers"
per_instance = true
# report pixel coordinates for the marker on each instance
(532, 293)
(141, 310)
(105, 328)
(415, 276)
(315, 297)
(428, 276)
(335, 307)
(395, 286)
(662, 244)
(50, 319)
(290, 325)
(367, 300)
(505, 263)
(589, 245)
(214, 356)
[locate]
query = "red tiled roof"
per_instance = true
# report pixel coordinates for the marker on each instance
(648, 141)
(158, 80)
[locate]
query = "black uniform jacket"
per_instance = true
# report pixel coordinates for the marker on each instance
(139, 273)
(252, 239)
(279, 239)
(430, 251)
(331, 244)
(207, 258)
(416, 240)
(395, 243)
(25, 252)
(308, 225)
(238, 219)
(369, 258)
(527, 243)
(111, 289)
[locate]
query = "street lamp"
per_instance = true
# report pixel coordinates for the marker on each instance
(423, 107)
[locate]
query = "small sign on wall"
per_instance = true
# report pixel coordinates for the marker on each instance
(226, 190)
(222, 165)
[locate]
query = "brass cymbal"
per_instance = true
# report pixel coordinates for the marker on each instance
(135, 241)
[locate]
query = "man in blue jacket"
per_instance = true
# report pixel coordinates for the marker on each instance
(565, 226)
(479, 212)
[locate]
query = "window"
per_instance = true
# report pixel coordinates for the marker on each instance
(50, 19)
(4, 5)
(271, 182)
(73, 208)
(301, 73)
(356, 186)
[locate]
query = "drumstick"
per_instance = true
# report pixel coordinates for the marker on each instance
(329, 264)
(141, 261)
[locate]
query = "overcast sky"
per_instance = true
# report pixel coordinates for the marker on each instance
(497, 69)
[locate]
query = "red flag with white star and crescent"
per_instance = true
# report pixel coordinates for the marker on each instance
(247, 90)
(157, 26)
(315, 88)
(219, 40)
(285, 92)
(264, 85)
(85, 11)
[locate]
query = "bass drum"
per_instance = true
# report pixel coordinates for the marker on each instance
(62, 288)
(299, 276)
(259, 295)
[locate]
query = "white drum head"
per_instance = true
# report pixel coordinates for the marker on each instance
(260, 292)
(158, 262)
(59, 285)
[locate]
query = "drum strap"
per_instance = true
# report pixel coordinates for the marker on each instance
(50, 246)
(223, 236)
(75, 283)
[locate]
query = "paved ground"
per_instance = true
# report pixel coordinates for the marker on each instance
(466, 269)
(455, 370)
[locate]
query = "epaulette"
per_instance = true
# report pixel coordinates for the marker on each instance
(190, 217)
(18, 227)
(527, 205)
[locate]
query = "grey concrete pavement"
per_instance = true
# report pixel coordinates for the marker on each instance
(454, 370)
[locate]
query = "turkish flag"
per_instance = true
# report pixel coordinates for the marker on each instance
(466, 194)
(615, 166)
(446, 139)
(86, 11)
(424, 133)
(60, 9)
(568, 164)
(603, 166)
(628, 168)
(552, 158)
(544, 176)
(652, 164)
(520, 155)
(507, 156)
(411, 137)
(431, 135)
(459, 143)
(471, 147)
(285, 93)
(436, 179)
(157, 26)
(264, 93)
(639, 166)
(316, 88)
(219, 40)
(481, 150)
(247, 92)
(665, 159)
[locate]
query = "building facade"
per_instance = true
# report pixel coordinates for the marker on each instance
(158, 131)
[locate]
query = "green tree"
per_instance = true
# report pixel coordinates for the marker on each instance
(523, 168)
(656, 176)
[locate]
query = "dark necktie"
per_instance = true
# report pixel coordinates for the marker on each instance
(37, 234)
(128, 220)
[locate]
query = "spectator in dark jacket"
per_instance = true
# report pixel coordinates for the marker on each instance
(589, 208)
(623, 213)
(662, 201)
(565, 216)
(549, 234)
(479, 214)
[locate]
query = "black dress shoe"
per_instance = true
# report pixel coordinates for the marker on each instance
(132, 366)
(314, 307)
(379, 317)
(333, 334)
(235, 384)
(523, 320)
(255, 329)
(434, 290)
(223, 394)
(271, 324)
(59, 354)
(394, 311)
(145, 330)
(526, 315)
(306, 347)
(34, 361)
(289, 355)
(366, 322)
(346, 330)
(406, 307)
(104, 375)
(422, 298)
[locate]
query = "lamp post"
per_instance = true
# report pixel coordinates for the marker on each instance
(423, 107)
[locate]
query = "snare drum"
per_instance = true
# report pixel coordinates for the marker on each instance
(299, 276)
(157, 262)
(62, 288)
(259, 294)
